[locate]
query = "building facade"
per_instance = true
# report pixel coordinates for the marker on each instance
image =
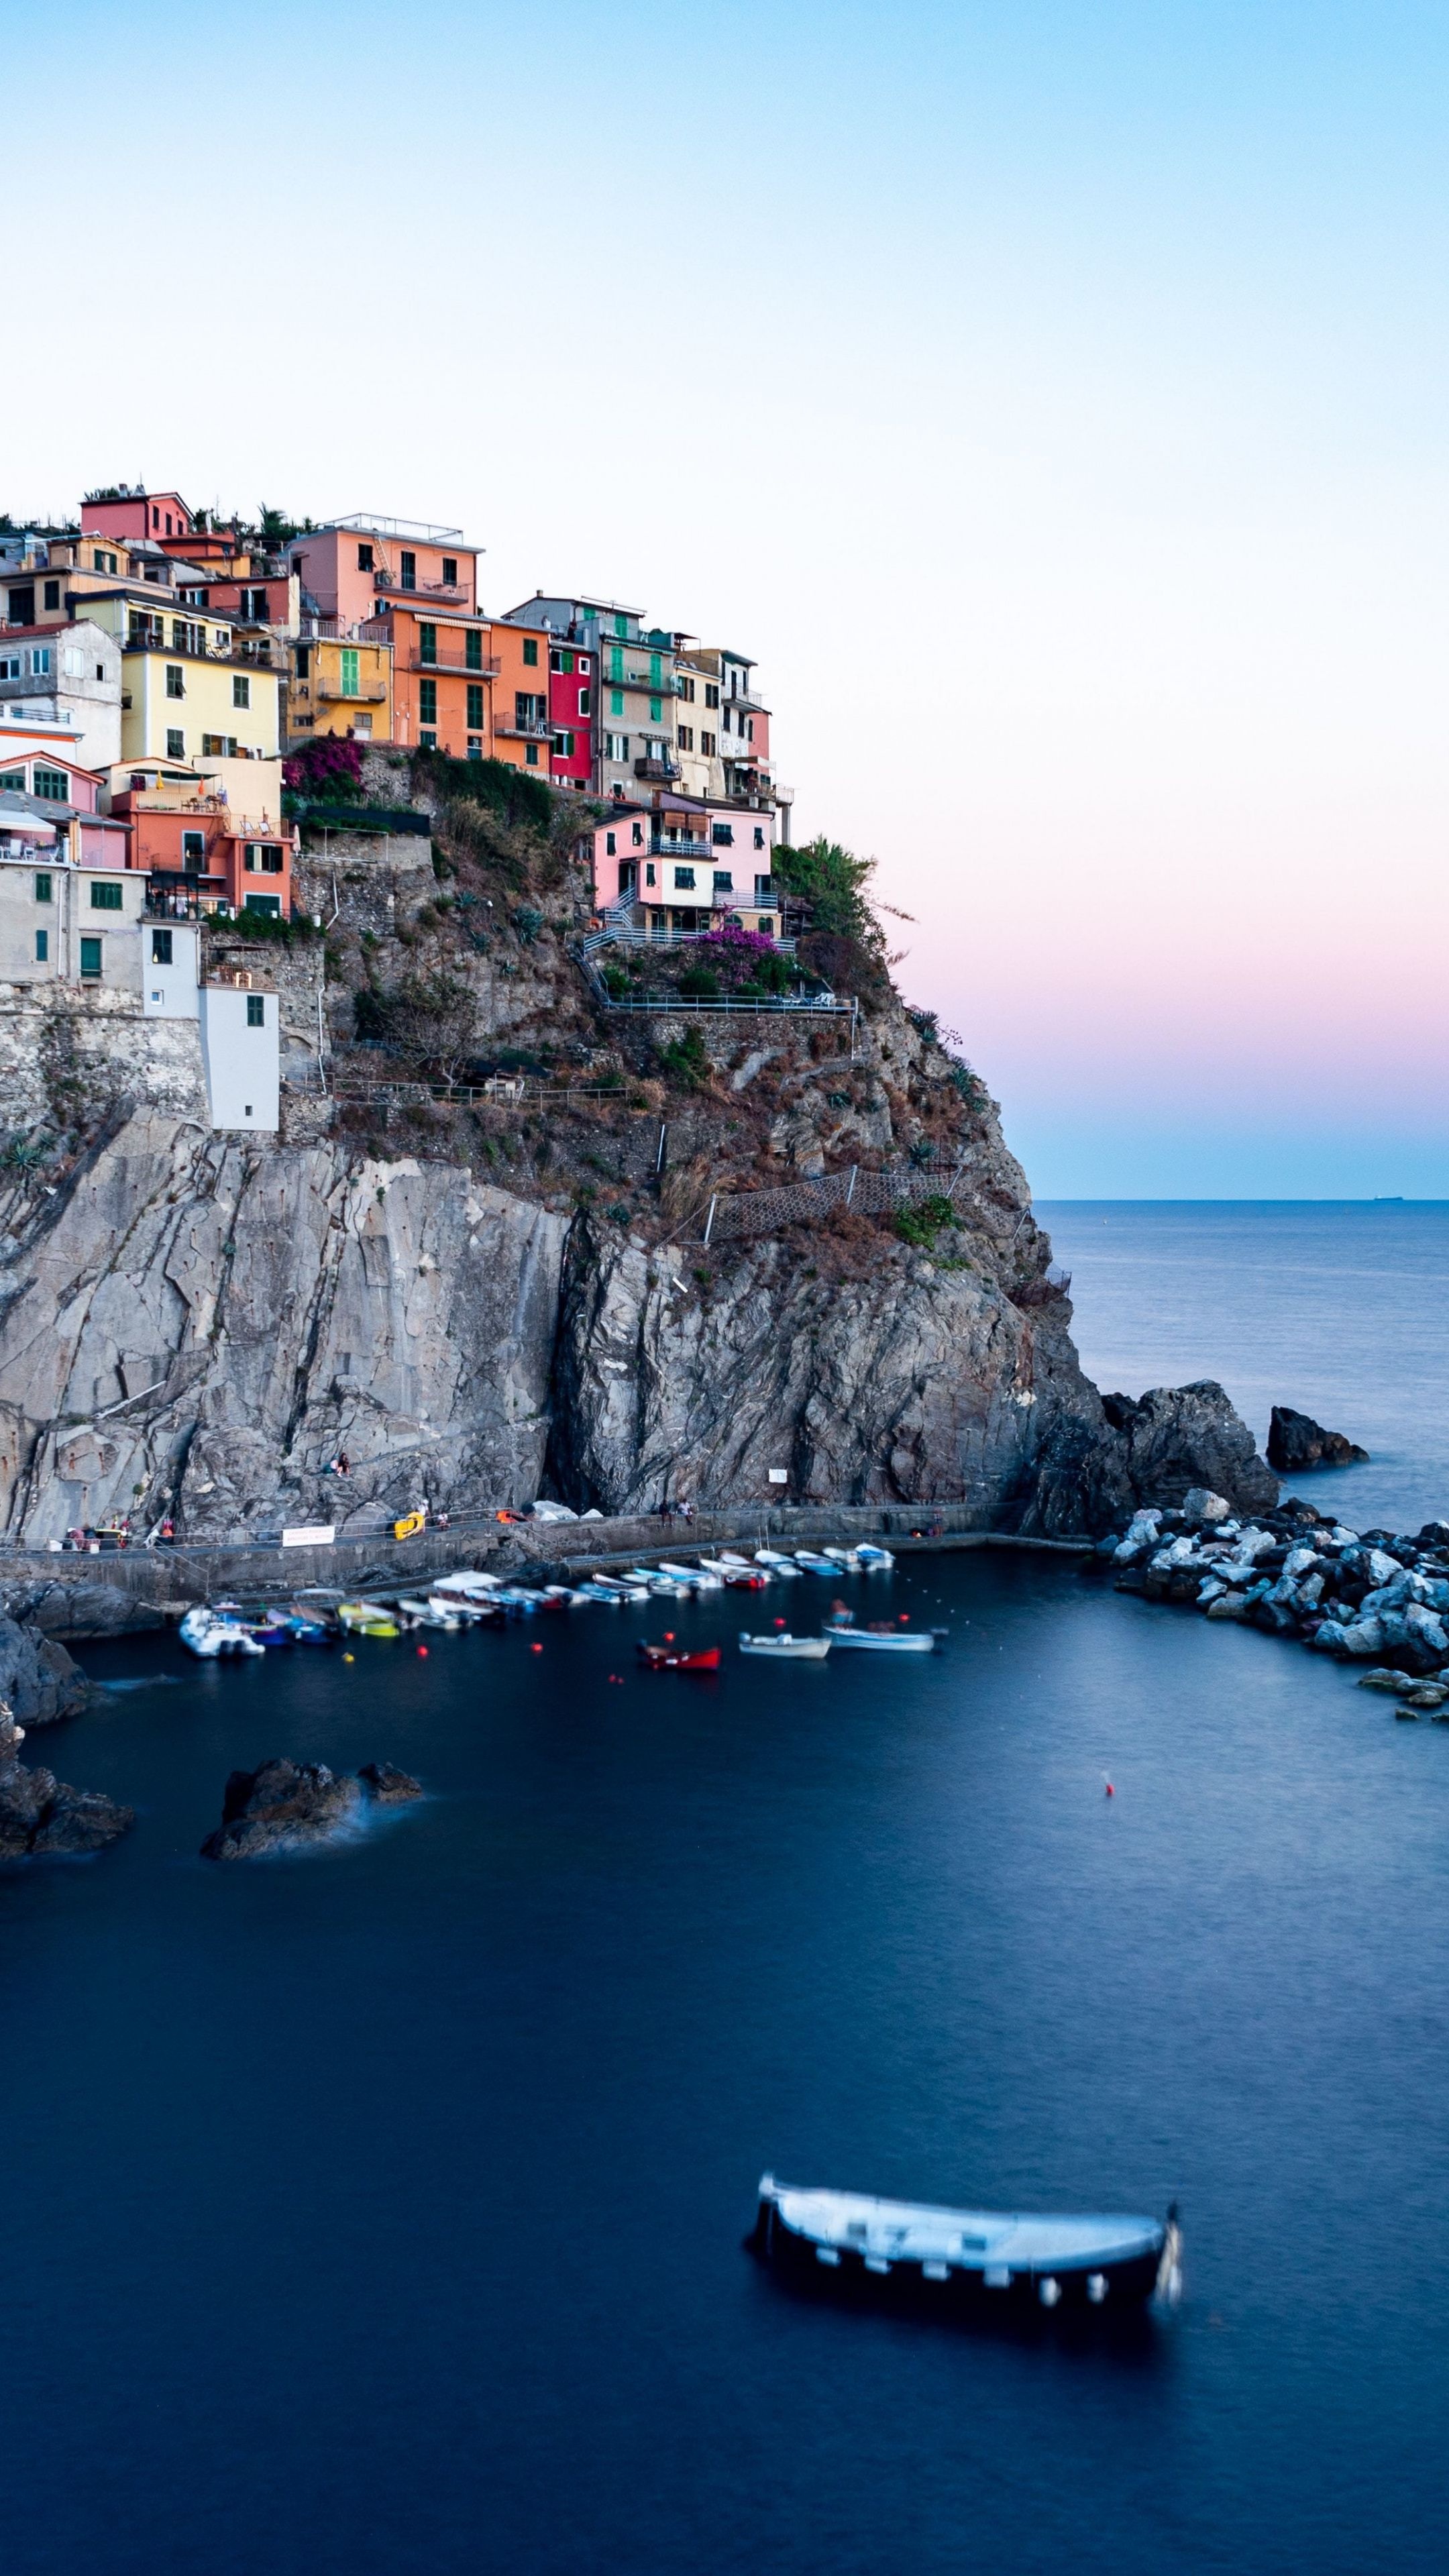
(341, 682)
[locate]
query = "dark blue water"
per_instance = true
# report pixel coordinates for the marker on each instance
(1338, 1308)
(381, 2211)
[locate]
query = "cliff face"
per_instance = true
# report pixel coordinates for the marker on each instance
(470, 1304)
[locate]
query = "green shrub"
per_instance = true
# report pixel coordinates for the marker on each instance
(700, 983)
(684, 1060)
(921, 1225)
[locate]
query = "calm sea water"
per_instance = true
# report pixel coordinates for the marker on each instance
(380, 2211)
(1340, 1309)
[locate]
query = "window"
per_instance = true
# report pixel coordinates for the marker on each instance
(473, 648)
(304, 662)
(530, 754)
(583, 666)
(563, 744)
(621, 626)
(726, 725)
(39, 661)
(707, 745)
(686, 737)
(475, 705)
(764, 889)
(52, 594)
(193, 851)
(428, 701)
(637, 835)
(616, 746)
(214, 746)
(724, 881)
(750, 727)
(656, 671)
(241, 689)
(175, 680)
(90, 962)
(168, 523)
(427, 643)
(616, 662)
(264, 858)
(42, 947)
(530, 651)
(51, 783)
(722, 835)
(686, 690)
(409, 573)
(475, 746)
(268, 903)
(256, 1011)
(759, 836)
(103, 562)
(585, 702)
(22, 606)
(427, 741)
(610, 839)
(616, 702)
(161, 947)
(711, 694)
(649, 872)
(9, 666)
(350, 680)
(364, 558)
(656, 711)
(561, 661)
(684, 880)
(106, 897)
(100, 670)
(43, 892)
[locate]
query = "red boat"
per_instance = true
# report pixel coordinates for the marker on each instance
(671, 1659)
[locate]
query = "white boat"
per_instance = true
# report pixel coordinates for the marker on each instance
(884, 1640)
(429, 1614)
(848, 1557)
(699, 1578)
(205, 1634)
(719, 1572)
(800, 1650)
(456, 1612)
(664, 1587)
(949, 2256)
(775, 1563)
(876, 1560)
(466, 1582)
(729, 1563)
(814, 1563)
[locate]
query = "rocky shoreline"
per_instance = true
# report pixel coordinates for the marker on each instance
(1377, 1597)
(45, 1818)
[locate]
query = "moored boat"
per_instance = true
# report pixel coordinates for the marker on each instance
(967, 2256)
(814, 1563)
(675, 1659)
(876, 1560)
(879, 1637)
(847, 1558)
(735, 1572)
(206, 1633)
(695, 1578)
(800, 1650)
(367, 1619)
(774, 1563)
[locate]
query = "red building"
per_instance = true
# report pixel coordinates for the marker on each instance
(193, 847)
(136, 517)
(572, 705)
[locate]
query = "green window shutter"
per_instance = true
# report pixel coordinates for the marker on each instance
(656, 671)
(656, 711)
(473, 649)
(43, 888)
(475, 708)
(428, 701)
(256, 1011)
(106, 898)
(616, 702)
(349, 672)
(616, 661)
(530, 651)
(427, 643)
(90, 960)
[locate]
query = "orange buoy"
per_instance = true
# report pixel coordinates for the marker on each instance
(1111, 1792)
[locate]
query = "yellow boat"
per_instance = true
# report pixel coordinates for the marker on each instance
(366, 1619)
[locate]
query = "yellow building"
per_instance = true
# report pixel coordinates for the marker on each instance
(342, 683)
(192, 688)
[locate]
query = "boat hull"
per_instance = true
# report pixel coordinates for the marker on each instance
(1107, 2279)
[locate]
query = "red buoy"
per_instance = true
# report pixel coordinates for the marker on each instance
(535, 1650)
(422, 1650)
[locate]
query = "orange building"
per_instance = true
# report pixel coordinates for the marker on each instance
(195, 849)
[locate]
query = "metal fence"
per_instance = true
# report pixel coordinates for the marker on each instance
(747, 1212)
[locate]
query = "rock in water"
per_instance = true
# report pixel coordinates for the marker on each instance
(1296, 1442)
(40, 1814)
(389, 1786)
(282, 1806)
(1182, 1440)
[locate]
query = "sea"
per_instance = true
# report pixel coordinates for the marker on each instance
(381, 2210)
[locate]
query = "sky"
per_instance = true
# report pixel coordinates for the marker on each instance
(1052, 398)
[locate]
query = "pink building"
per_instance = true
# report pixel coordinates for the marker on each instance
(38, 762)
(573, 700)
(358, 566)
(133, 516)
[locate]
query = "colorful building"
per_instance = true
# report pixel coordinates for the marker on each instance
(572, 698)
(124, 512)
(522, 731)
(632, 686)
(68, 675)
(198, 852)
(679, 865)
(40, 764)
(341, 683)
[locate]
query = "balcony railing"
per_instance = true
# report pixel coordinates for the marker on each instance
(542, 732)
(366, 694)
(662, 770)
(452, 590)
(704, 850)
(449, 662)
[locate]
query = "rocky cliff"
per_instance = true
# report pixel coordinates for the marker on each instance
(469, 1304)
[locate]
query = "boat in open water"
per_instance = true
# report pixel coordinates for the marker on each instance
(880, 1637)
(800, 1650)
(974, 2258)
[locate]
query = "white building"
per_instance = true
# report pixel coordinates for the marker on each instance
(241, 1049)
(65, 675)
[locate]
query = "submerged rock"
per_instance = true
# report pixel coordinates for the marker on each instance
(40, 1815)
(281, 1806)
(389, 1786)
(1296, 1442)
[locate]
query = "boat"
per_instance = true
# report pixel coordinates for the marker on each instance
(429, 1614)
(968, 2257)
(811, 1563)
(457, 1611)
(674, 1659)
(801, 1650)
(305, 1627)
(470, 1585)
(881, 1638)
(739, 1576)
(775, 1563)
(665, 1587)
(207, 1633)
(729, 1563)
(367, 1619)
(696, 1578)
(848, 1558)
(876, 1560)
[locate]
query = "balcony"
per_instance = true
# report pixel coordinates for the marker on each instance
(704, 850)
(450, 663)
(450, 590)
(368, 693)
(666, 687)
(661, 771)
(542, 732)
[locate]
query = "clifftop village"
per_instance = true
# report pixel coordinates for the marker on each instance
(168, 685)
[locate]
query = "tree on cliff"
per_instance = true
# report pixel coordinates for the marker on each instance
(431, 1021)
(844, 941)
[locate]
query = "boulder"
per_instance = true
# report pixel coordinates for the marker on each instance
(389, 1786)
(39, 1681)
(1199, 1505)
(1186, 1440)
(41, 1815)
(281, 1806)
(1296, 1442)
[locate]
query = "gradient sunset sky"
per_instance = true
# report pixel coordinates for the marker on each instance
(1052, 398)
